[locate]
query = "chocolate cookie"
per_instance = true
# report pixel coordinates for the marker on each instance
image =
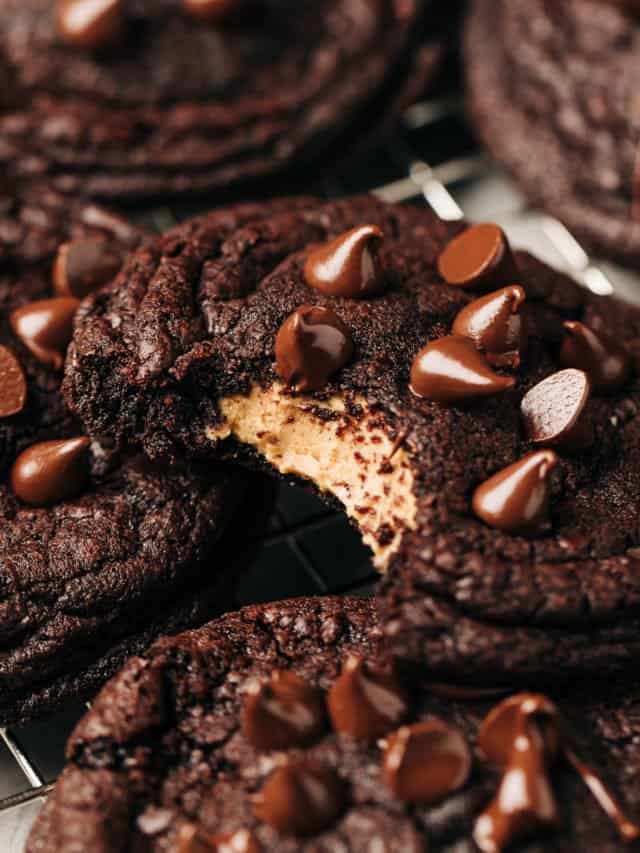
(551, 88)
(146, 97)
(283, 728)
(407, 401)
(40, 229)
(98, 555)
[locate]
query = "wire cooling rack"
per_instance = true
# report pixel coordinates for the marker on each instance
(308, 549)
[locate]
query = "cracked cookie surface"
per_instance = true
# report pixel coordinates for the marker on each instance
(172, 355)
(178, 105)
(164, 760)
(89, 580)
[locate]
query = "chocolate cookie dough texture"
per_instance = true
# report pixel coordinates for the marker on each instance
(284, 728)
(552, 92)
(412, 370)
(98, 554)
(132, 98)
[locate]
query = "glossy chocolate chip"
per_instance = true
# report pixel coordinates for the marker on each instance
(524, 736)
(349, 265)
(46, 328)
(51, 471)
(451, 370)
(520, 736)
(516, 499)
(284, 712)
(210, 11)
(83, 266)
(90, 24)
(606, 362)
(367, 700)
(494, 324)
(194, 839)
(499, 729)
(426, 762)
(312, 344)
(553, 411)
(479, 257)
(13, 385)
(302, 797)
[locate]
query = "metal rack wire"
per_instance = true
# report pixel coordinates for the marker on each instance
(310, 550)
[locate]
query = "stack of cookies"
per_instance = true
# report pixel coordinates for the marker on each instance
(473, 412)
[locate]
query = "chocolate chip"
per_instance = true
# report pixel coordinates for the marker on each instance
(479, 257)
(426, 762)
(83, 266)
(494, 324)
(311, 345)
(211, 11)
(284, 712)
(349, 265)
(194, 839)
(90, 24)
(13, 385)
(524, 737)
(301, 797)
(520, 736)
(498, 731)
(51, 471)
(367, 700)
(451, 370)
(516, 499)
(602, 358)
(553, 411)
(46, 328)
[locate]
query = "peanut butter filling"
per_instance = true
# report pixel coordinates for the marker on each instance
(353, 458)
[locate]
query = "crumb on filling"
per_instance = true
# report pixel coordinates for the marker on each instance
(351, 457)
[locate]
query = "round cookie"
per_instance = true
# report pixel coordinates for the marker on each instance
(283, 728)
(546, 586)
(551, 91)
(98, 555)
(159, 100)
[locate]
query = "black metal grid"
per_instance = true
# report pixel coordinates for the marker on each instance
(309, 549)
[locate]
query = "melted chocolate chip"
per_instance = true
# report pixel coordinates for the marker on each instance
(193, 839)
(51, 471)
(366, 701)
(284, 712)
(500, 727)
(425, 762)
(46, 328)
(311, 345)
(451, 370)
(90, 24)
(300, 798)
(521, 737)
(211, 11)
(349, 265)
(83, 266)
(494, 324)
(479, 257)
(602, 358)
(13, 385)
(516, 499)
(553, 411)
(628, 830)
